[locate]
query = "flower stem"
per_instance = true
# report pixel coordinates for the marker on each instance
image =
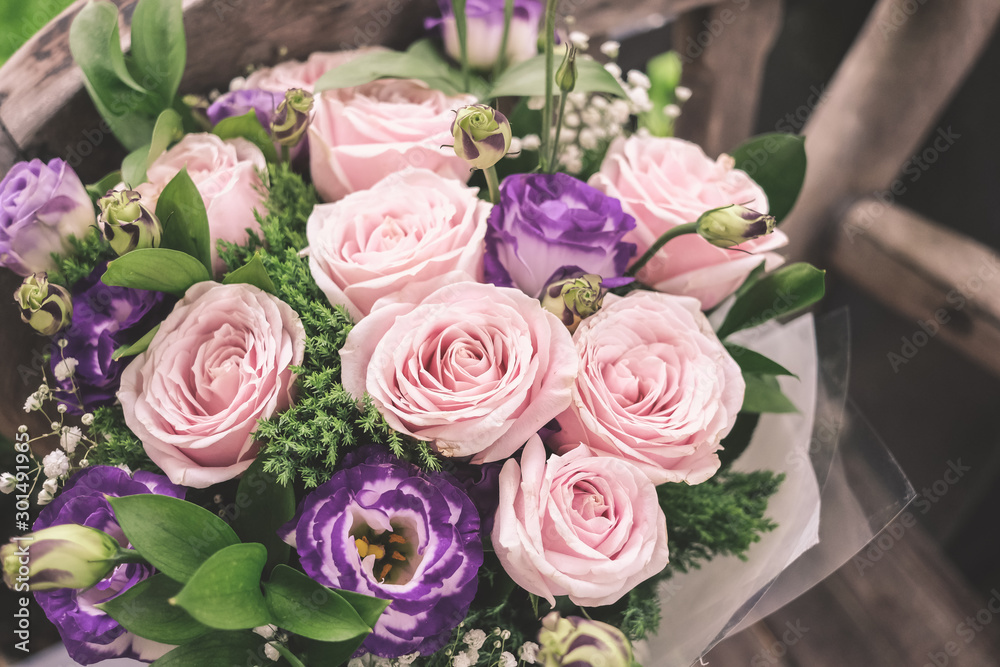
(550, 66)
(461, 27)
(493, 183)
(554, 163)
(288, 655)
(508, 16)
(286, 154)
(679, 230)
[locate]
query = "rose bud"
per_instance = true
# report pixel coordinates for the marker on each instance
(126, 223)
(46, 307)
(578, 641)
(573, 297)
(484, 20)
(732, 225)
(482, 135)
(291, 118)
(566, 74)
(64, 556)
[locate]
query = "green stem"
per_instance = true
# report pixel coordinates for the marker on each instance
(288, 655)
(679, 230)
(550, 29)
(461, 27)
(508, 16)
(554, 164)
(493, 183)
(286, 154)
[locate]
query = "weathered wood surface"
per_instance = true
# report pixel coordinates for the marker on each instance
(907, 63)
(724, 50)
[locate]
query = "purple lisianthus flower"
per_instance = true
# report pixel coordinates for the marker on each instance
(389, 530)
(484, 30)
(90, 635)
(41, 205)
(239, 102)
(104, 319)
(549, 224)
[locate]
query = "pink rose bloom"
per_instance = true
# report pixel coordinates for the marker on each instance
(225, 173)
(474, 369)
(358, 136)
(298, 74)
(665, 182)
(219, 362)
(578, 525)
(656, 387)
(411, 227)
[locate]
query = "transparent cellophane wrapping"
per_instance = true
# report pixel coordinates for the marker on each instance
(842, 487)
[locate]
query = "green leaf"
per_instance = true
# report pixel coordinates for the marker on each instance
(156, 269)
(739, 437)
(137, 347)
(101, 187)
(527, 79)
(181, 211)
(420, 61)
(751, 279)
(368, 608)
(175, 536)
(247, 126)
(126, 105)
(664, 73)
(261, 507)
(314, 652)
(303, 606)
(763, 394)
(224, 593)
(159, 47)
(755, 362)
(168, 129)
(219, 648)
(144, 610)
(779, 293)
(777, 162)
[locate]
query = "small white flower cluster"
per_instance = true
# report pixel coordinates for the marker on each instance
(369, 660)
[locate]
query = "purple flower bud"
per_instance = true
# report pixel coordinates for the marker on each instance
(484, 31)
(126, 222)
(46, 307)
(732, 225)
(482, 135)
(41, 205)
(574, 297)
(292, 117)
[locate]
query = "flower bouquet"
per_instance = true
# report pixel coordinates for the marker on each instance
(391, 358)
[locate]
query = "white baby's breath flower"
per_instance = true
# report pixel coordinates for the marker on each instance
(591, 116)
(640, 99)
(124, 468)
(671, 111)
(620, 112)
(55, 463)
(528, 652)
(588, 139)
(33, 403)
(536, 103)
(461, 660)
(266, 631)
(474, 639)
(682, 93)
(271, 652)
(515, 146)
(639, 80)
(87, 419)
(239, 83)
(580, 40)
(65, 368)
(51, 485)
(572, 120)
(507, 660)
(615, 70)
(408, 659)
(611, 48)
(531, 142)
(44, 497)
(7, 482)
(577, 99)
(70, 438)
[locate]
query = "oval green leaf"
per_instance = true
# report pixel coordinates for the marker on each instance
(175, 536)
(755, 362)
(224, 593)
(789, 289)
(777, 162)
(159, 47)
(181, 211)
(421, 61)
(248, 127)
(262, 506)
(219, 648)
(252, 273)
(144, 610)
(137, 347)
(156, 269)
(306, 607)
(763, 394)
(527, 79)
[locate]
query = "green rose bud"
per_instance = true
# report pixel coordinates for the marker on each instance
(566, 74)
(291, 118)
(64, 556)
(482, 135)
(574, 298)
(578, 641)
(731, 225)
(126, 222)
(47, 308)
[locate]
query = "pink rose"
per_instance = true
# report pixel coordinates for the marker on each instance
(656, 387)
(578, 525)
(225, 173)
(410, 227)
(358, 136)
(668, 182)
(219, 362)
(475, 369)
(298, 74)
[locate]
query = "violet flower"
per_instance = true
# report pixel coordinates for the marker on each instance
(548, 224)
(239, 102)
(90, 635)
(387, 529)
(104, 319)
(484, 30)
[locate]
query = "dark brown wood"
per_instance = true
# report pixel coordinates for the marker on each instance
(724, 50)
(902, 71)
(947, 283)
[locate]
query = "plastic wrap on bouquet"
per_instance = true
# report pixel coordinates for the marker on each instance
(842, 487)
